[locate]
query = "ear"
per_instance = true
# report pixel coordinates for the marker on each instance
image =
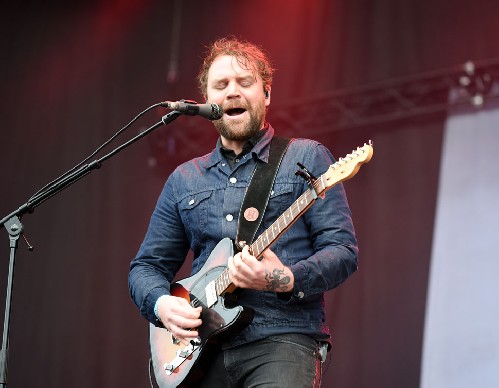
(267, 95)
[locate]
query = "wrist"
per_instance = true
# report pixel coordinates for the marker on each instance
(156, 307)
(280, 280)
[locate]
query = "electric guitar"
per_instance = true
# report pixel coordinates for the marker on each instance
(175, 364)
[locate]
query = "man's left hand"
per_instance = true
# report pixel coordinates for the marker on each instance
(268, 274)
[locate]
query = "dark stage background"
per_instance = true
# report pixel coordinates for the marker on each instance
(72, 74)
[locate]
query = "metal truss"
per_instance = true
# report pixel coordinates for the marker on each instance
(371, 105)
(392, 100)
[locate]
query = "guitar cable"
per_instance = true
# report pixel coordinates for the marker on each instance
(151, 374)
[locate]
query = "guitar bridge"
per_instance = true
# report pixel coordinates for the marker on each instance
(182, 355)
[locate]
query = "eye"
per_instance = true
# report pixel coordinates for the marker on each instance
(246, 82)
(220, 85)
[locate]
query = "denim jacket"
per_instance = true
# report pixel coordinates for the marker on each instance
(200, 205)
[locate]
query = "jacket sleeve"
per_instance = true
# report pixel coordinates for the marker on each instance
(332, 234)
(160, 256)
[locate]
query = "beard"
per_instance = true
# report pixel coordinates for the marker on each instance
(242, 130)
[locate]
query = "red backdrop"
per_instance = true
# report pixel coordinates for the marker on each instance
(72, 75)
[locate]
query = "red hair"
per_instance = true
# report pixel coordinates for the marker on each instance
(248, 55)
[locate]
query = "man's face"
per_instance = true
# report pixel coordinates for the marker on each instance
(239, 90)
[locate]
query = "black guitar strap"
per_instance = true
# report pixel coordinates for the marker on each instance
(258, 192)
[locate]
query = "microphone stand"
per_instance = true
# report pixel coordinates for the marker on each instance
(14, 227)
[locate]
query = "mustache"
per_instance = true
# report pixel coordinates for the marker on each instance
(234, 105)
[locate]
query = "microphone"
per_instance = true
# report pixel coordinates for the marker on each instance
(192, 108)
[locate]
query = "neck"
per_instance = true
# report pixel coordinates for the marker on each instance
(234, 145)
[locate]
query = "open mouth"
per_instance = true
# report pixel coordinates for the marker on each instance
(235, 111)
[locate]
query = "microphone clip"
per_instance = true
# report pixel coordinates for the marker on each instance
(190, 108)
(209, 111)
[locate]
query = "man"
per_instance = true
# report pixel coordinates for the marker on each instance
(199, 206)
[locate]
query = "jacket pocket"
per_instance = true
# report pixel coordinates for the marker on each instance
(281, 197)
(194, 211)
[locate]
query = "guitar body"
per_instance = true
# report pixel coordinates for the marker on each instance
(179, 365)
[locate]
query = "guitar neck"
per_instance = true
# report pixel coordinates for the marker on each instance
(286, 219)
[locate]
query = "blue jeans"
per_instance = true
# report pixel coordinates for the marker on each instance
(286, 360)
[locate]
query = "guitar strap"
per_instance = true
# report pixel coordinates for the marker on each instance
(258, 192)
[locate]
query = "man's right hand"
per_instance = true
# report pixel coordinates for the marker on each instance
(179, 318)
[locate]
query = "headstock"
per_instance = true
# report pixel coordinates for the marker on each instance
(346, 167)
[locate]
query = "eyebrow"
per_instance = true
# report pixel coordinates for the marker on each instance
(239, 78)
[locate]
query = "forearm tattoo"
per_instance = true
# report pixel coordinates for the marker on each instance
(276, 280)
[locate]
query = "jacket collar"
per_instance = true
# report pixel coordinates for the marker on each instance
(260, 150)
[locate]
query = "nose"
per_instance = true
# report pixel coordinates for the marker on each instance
(233, 90)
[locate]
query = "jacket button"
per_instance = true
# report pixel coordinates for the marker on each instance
(300, 295)
(229, 217)
(233, 180)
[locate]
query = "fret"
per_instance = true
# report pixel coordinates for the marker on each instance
(285, 219)
(280, 221)
(323, 184)
(296, 207)
(310, 196)
(254, 249)
(225, 279)
(261, 244)
(265, 237)
(289, 214)
(257, 252)
(219, 284)
(222, 282)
